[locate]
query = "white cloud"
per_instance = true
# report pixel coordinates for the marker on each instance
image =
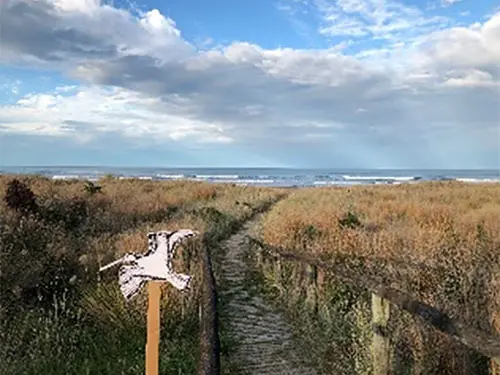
(84, 6)
(9, 86)
(476, 45)
(383, 19)
(433, 58)
(144, 79)
(473, 78)
(447, 3)
(92, 110)
(67, 32)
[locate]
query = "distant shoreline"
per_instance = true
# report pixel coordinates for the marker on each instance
(263, 177)
(268, 181)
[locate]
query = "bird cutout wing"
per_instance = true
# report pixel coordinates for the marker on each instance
(130, 283)
(179, 235)
(178, 280)
(168, 241)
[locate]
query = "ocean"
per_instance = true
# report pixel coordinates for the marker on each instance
(271, 177)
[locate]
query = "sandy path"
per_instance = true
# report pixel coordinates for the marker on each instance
(265, 339)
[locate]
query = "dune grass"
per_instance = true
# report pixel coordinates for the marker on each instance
(57, 315)
(439, 242)
(451, 227)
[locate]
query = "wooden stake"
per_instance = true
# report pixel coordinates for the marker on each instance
(153, 339)
(277, 268)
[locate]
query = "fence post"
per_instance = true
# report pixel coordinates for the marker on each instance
(495, 366)
(311, 285)
(381, 355)
(277, 268)
(259, 256)
(209, 349)
(320, 277)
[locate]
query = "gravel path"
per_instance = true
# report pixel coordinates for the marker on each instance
(265, 344)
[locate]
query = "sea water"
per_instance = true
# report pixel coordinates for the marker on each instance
(278, 177)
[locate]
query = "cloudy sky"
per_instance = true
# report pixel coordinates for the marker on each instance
(287, 83)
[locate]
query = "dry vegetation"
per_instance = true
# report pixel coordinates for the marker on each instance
(440, 242)
(57, 315)
(420, 222)
(444, 226)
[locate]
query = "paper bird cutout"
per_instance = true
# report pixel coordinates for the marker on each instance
(155, 264)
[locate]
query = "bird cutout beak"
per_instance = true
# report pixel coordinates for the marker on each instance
(128, 258)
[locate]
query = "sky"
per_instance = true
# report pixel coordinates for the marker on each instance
(271, 83)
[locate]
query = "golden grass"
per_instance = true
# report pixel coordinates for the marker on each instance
(117, 220)
(438, 241)
(411, 222)
(119, 217)
(451, 228)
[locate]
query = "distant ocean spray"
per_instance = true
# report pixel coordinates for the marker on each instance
(276, 177)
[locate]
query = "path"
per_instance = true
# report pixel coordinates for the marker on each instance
(265, 344)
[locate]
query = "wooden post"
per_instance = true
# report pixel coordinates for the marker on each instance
(381, 355)
(153, 339)
(311, 286)
(277, 268)
(209, 349)
(495, 366)
(320, 277)
(259, 256)
(495, 361)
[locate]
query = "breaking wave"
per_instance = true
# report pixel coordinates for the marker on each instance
(263, 176)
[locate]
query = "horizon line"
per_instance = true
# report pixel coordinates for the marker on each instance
(252, 167)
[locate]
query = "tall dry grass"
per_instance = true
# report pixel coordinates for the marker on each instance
(439, 242)
(58, 315)
(448, 226)
(412, 222)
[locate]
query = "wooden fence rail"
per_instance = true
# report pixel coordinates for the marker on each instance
(209, 349)
(487, 344)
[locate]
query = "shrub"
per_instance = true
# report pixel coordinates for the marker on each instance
(70, 214)
(91, 188)
(37, 263)
(350, 220)
(19, 197)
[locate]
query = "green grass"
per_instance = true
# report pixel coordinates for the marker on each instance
(58, 316)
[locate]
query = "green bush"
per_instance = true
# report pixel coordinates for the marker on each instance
(19, 197)
(91, 188)
(37, 262)
(70, 214)
(350, 220)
